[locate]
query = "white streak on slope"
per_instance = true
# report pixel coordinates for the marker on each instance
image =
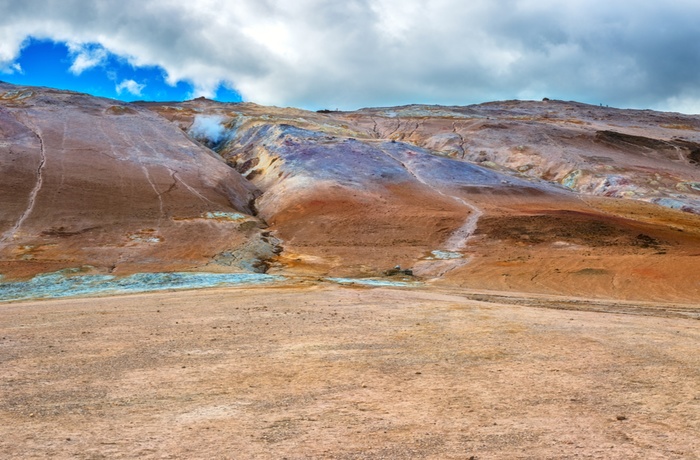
(459, 238)
(37, 185)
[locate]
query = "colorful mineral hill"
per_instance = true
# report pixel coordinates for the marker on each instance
(514, 195)
(551, 197)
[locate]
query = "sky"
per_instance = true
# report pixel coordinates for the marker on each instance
(332, 54)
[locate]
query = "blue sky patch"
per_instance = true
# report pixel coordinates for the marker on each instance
(94, 70)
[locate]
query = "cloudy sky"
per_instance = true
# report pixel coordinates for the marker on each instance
(357, 53)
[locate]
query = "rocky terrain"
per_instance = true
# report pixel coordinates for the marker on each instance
(513, 279)
(550, 196)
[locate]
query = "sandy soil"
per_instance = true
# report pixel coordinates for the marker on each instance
(321, 371)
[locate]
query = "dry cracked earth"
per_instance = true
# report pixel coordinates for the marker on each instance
(544, 304)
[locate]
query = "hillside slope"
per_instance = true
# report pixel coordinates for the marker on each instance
(91, 184)
(550, 197)
(500, 196)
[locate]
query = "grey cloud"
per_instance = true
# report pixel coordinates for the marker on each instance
(324, 53)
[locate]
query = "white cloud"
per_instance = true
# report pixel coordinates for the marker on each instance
(684, 102)
(85, 56)
(10, 46)
(324, 53)
(10, 68)
(131, 87)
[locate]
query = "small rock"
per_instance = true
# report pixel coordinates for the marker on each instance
(621, 417)
(397, 270)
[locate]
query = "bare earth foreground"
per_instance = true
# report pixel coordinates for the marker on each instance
(324, 371)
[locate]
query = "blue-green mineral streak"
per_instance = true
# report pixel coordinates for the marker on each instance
(63, 284)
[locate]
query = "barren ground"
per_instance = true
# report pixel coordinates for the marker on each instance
(321, 371)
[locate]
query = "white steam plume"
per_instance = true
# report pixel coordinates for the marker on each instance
(209, 128)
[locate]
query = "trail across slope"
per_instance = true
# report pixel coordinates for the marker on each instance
(457, 241)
